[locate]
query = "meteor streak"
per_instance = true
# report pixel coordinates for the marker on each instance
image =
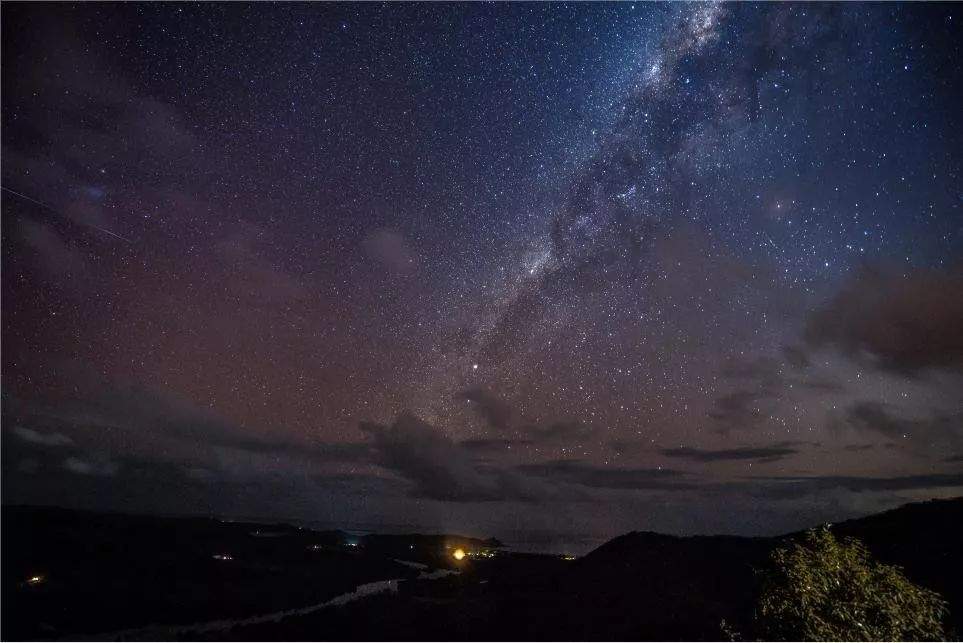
(57, 212)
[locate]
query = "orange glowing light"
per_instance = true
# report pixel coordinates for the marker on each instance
(459, 554)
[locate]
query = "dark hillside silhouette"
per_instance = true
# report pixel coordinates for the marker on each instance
(110, 572)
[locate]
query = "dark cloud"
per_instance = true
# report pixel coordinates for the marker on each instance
(114, 419)
(603, 477)
(879, 417)
(438, 468)
(820, 384)
(771, 453)
(130, 484)
(797, 486)
(875, 417)
(858, 447)
(629, 446)
(359, 483)
(570, 430)
(56, 255)
(489, 407)
(494, 444)
(39, 437)
(87, 467)
(99, 122)
(739, 410)
(796, 357)
(902, 322)
(765, 370)
(760, 379)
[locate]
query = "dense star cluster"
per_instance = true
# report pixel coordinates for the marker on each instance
(549, 272)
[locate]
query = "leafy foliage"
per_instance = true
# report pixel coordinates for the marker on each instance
(824, 589)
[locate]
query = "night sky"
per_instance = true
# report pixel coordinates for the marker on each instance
(544, 272)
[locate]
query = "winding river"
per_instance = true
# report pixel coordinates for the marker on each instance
(167, 632)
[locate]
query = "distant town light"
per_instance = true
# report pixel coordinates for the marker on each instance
(35, 580)
(223, 557)
(459, 554)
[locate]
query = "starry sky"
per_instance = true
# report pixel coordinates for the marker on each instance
(549, 272)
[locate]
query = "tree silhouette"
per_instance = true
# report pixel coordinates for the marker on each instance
(824, 589)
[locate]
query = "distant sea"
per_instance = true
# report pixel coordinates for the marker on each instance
(540, 542)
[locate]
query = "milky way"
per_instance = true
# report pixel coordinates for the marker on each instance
(546, 272)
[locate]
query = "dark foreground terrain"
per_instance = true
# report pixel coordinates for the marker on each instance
(68, 574)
